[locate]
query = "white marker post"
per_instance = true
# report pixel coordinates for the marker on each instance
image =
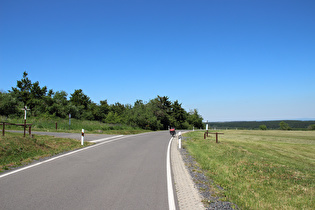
(25, 109)
(179, 140)
(82, 137)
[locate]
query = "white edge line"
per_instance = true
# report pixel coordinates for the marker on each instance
(60, 156)
(104, 139)
(170, 191)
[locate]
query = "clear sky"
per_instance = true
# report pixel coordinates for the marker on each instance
(230, 59)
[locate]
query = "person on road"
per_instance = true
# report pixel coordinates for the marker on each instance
(172, 132)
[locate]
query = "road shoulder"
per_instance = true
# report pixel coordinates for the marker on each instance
(187, 194)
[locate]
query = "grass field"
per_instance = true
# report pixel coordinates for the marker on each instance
(259, 169)
(17, 151)
(49, 124)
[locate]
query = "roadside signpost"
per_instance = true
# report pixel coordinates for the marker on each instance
(82, 137)
(25, 110)
(69, 120)
(180, 140)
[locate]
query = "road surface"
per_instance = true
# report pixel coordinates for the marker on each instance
(128, 172)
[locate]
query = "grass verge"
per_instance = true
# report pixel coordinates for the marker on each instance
(15, 150)
(259, 169)
(49, 125)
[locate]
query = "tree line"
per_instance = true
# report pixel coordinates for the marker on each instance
(159, 113)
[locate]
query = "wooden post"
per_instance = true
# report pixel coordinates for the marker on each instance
(30, 130)
(24, 127)
(216, 136)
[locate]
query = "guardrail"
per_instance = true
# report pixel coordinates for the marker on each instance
(18, 124)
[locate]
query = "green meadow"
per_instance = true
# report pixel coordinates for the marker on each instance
(259, 169)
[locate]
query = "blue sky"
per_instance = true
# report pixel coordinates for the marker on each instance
(230, 59)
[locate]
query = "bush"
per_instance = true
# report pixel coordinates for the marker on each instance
(311, 127)
(263, 127)
(285, 126)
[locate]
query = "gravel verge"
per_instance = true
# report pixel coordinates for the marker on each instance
(208, 190)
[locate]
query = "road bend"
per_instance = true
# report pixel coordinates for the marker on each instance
(128, 172)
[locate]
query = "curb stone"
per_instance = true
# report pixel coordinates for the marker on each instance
(187, 193)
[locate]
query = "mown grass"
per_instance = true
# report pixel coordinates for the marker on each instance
(15, 150)
(259, 169)
(49, 125)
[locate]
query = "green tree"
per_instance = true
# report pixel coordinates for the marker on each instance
(142, 116)
(74, 111)
(113, 118)
(31, 94)
(8, 104)
(48, 100)
(23, 89)
(59, 106)
(78, 98)
(159, 113)
(104, 107)
(116, 113)
(311, 127)
(117, 108)
(195, 119)
(263, 127)
(284, 126)
(100, 111)
(82, 105)
(178, 116)
(87, 113)
(162, 108)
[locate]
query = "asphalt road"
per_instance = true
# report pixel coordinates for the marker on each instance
(124, 173)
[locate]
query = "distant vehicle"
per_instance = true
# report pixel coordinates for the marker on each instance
(172, 132)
